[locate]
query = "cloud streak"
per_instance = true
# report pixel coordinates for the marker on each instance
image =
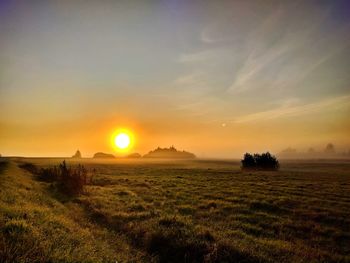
(202, 56)
(282, 52)
(288, 110)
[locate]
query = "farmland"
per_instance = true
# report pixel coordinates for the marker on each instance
(178, 211)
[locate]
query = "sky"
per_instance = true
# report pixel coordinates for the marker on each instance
(217, 78)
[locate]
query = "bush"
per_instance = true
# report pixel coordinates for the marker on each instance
(264, 161)
(248, 161)
(70, 180)
(3, 164)
(51, 174)
(29, 167)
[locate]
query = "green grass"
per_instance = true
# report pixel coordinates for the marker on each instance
(179, 211)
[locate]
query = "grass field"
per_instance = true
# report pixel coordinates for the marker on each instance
(178, 211)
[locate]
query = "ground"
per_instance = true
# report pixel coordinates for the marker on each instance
(178, 211)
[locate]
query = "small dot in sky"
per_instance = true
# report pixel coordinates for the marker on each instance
(223, 125)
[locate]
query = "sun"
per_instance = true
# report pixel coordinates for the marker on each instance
(122, 140)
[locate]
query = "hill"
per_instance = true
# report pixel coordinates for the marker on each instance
(171, 153)
(103, 155)
(77, 154)
(134, 155)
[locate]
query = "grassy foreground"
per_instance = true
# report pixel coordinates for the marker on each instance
(182, 211)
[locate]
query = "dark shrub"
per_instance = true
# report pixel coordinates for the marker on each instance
(29, 167)
(3, 164)
(70, 180)
(248, 161)
(49, 174)
(264, 161)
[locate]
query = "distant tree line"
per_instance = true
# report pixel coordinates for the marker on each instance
(328, 151)
(264, 161)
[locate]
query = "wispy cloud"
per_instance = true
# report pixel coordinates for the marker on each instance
(202, 56)
(190, 79)
(212, 34)
(288, 109)
(254, 65)
(282, 52)
(207, 38)
(191, 87)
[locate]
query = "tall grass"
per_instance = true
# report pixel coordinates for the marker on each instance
(70, 180)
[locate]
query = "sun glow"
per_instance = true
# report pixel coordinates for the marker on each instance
(122, 140)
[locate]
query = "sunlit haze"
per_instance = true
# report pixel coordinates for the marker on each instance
(217, 78)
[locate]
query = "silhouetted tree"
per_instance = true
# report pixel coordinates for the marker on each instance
(248, 161)
(264, 161)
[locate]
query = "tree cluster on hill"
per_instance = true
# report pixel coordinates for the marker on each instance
(171, 153)
(264, 161)
(103, 155)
